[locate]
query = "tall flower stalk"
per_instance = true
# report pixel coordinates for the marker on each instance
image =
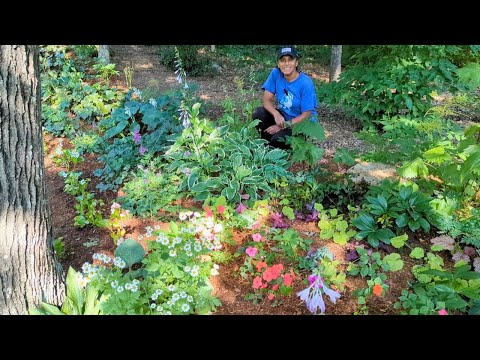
(181, 76)
(313, 294)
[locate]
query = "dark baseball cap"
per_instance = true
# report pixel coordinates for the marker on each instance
(287, 50)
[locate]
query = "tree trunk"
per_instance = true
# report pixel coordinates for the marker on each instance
(103, 53)
(335, 62)
(29, 270)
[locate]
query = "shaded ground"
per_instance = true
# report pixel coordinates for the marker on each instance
(230, 288)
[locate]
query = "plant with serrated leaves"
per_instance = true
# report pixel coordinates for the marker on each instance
(81, 299)
(333, 226)
(174, 275)
(401, 79)
(454, 290)
(302, 141)
(290, 244)
(149, 191)
(456, 164)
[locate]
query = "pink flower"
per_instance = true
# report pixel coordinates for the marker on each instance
(257, 237)
(257, 282)
(251, 251)
(240, 208)
(257, 225)
(271, 296)
(287, 279)
(220, 209)
(443, 312)
(208, 211)
(275, 287)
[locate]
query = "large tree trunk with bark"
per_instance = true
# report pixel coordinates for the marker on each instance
(335, 62)
(104, 53)
(29, 269)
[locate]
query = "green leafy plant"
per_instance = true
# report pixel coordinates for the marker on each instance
(80, 299)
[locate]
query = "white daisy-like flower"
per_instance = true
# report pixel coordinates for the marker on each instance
(153, 306)
(217, 228)
(154, 296)
(187, 247)
(120, 289)
(183, 294)
(182, 216)
(187, 268)
(118, 262)
(128, 286)
(177, 240)
(190, 298)
(185, 307)
(175, 297)
(189, 253)
(194, 272)
(134, 288)
(172, 253)
(171, 287)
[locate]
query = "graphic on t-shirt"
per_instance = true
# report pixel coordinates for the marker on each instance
(286, 101)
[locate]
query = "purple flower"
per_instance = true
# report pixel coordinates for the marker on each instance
(313, 294)
(187, 153)
(240, 208)
(142, 150)
(136, 136)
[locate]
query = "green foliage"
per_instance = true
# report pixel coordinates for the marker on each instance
(79, 301)
(302, 142)
(195, 60)
(139, 129)
(369, 229)
(216, 161)
(291, 243)
(130, 251)
(149, 191)
(333, 226)
(470, 75)
(397, 80)
(59, 247)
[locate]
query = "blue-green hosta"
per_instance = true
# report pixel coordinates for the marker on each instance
(216, 161)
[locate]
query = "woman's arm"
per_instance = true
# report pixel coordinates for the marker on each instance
(269, 105)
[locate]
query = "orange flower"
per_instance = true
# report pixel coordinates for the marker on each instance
(377, 289)
(261, 265)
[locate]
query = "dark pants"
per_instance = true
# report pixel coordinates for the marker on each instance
(266, 120)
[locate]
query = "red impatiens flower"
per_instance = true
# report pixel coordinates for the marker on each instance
(220, 209)
(377, 289)
(287, 279)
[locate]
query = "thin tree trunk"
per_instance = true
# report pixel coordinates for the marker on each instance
(29, 270)
(335, 62)
(103, 53)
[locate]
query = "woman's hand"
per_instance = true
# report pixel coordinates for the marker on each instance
(279, 120)
(273, 129)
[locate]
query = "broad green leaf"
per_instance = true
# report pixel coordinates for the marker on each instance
(399, 241)
(417, 253)
(394, 262)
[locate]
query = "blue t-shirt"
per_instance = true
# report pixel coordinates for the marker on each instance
(294, 97)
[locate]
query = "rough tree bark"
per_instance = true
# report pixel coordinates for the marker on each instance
(29, 270)
(104, 53)
(335, 62)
